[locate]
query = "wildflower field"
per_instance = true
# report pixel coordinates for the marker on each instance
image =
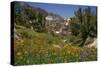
(41, 48)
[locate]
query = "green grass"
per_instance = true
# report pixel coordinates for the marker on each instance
(38, 48)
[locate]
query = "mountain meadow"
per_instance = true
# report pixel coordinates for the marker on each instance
(42, 37)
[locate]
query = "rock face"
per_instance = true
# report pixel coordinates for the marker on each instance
(54, 17)
(93, 44)
(56, 24)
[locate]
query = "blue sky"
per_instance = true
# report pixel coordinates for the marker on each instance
(61, 9)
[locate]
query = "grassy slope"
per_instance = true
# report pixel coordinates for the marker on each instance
(38, 48)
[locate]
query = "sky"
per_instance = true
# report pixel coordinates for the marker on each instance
(63, 10)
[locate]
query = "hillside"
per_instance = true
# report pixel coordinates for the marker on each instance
(37, 48)
(41, 37)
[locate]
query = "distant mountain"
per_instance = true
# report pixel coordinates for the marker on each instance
(38, 19)
(56, 17)
(42, 11)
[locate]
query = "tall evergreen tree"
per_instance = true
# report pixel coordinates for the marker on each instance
(84, 24)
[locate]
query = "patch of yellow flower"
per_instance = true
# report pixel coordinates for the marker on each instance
(18, 53)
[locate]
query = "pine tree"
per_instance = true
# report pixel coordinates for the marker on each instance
(84, 24)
